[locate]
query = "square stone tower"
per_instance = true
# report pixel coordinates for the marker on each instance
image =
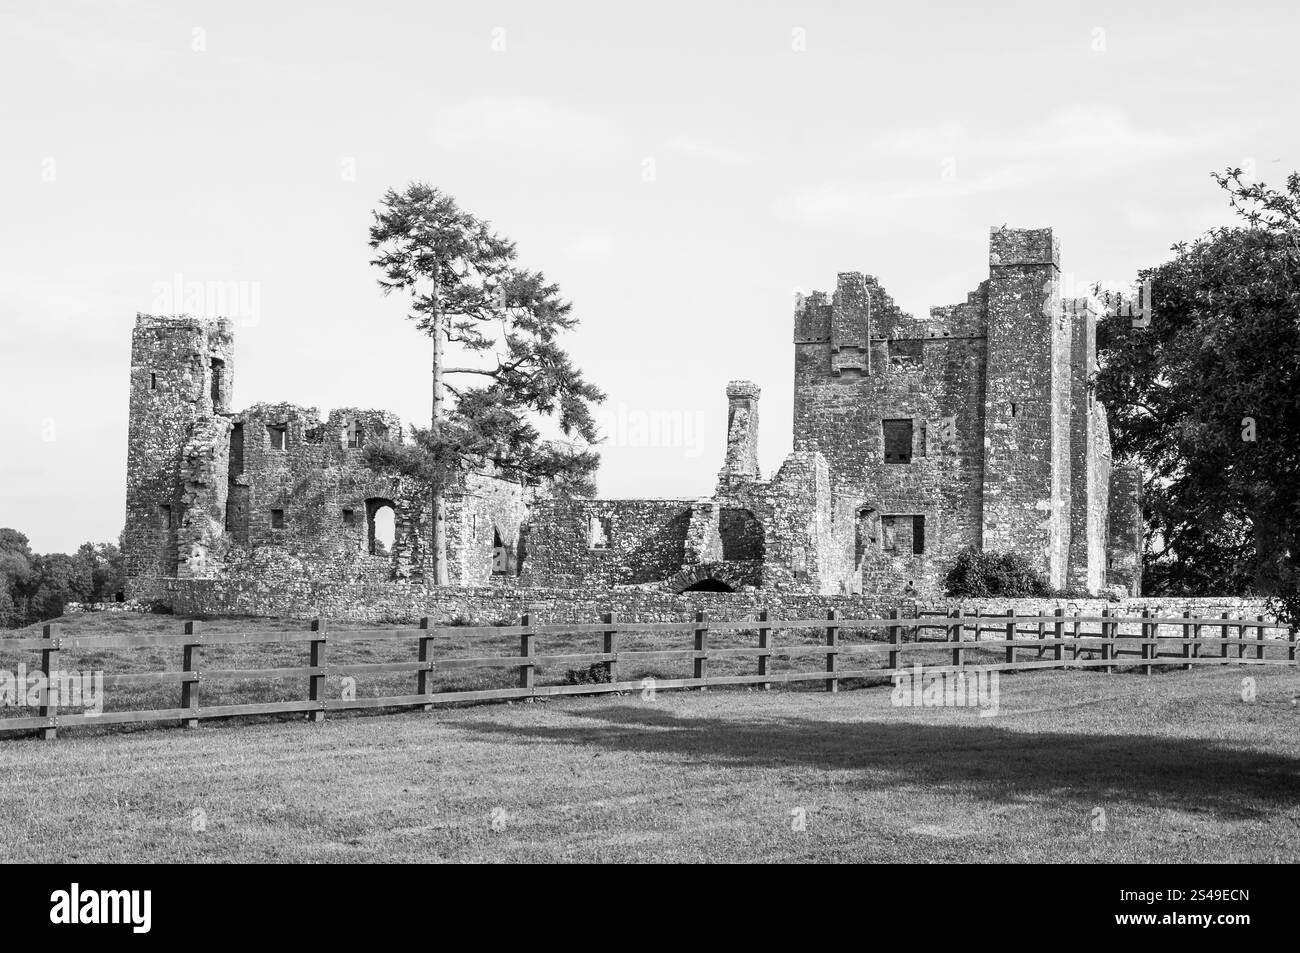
(1026, 492)
(181, 375)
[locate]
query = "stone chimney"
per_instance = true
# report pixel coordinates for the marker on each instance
(742, 433)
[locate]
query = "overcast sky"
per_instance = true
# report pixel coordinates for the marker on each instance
(680, 169)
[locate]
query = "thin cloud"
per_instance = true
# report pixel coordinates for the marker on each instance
(523, 125)
(683, 145)
(1084, 144)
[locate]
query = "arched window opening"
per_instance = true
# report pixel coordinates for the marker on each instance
(521, 552)
(500, 555)
(218, 379)
(381, 525)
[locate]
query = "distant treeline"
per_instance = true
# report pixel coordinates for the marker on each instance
(36, 586)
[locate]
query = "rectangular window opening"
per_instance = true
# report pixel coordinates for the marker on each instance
(356, 434)
(349, 517)
(898, 440)
(277, 434)
(598, 532)
(153, 381)
(902, 534)
(277, 519)
(165, 516)
(906, 352)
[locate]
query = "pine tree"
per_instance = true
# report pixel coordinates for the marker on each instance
(468, 294)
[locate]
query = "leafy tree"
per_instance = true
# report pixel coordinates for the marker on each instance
(102, 565)
(467, 293)
(37, 586)
(8, 610)
(1207, 399)
(61, 580)
(17, 576)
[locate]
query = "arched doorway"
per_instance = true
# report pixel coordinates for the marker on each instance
(709, 585)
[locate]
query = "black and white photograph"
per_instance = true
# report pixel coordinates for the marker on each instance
(708, 432)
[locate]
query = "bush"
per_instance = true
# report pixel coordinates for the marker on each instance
(594, 674)
(1008, 575)
(465, 620)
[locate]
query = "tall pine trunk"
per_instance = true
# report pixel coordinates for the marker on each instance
(439, 506)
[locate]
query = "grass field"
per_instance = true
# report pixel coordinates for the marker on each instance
(1181, 766)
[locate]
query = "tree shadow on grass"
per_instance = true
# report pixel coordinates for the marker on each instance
(979, 759)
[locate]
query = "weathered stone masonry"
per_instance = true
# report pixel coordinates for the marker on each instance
(207, 487)
(913, 439)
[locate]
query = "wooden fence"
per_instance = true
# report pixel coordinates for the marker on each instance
(1029, 642)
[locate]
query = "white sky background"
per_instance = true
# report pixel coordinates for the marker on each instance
(129, 157)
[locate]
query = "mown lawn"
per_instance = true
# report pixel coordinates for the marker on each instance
(1182, 767)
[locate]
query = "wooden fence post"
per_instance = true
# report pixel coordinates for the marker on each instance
(1058, 633)
(1148, 632)
(1108, 629)
(1241, 638)
(423, 683)
(832, 652)
(701, 645)
(190, 687)
(1223, 636)
(1259, 635)
(765, 647)
(1042, 633)
(1187, 635)
(1077, 633)
(50, 666)
(954, 633)
(316, 682)
(895, 639)
(611, 646)
(528, 650)
(1291, 638)
(1011, 635)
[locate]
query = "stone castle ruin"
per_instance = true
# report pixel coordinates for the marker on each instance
(913, 440)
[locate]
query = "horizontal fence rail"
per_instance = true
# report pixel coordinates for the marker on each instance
(1025, 643)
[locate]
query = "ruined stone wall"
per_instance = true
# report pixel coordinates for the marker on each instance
(286, 591)
(206, 485)
(1098, 508)
(1125, 533)
(1089, 455)
(305, 471)
(644, 541)
(929, 373)
(487, 510)
(1026, 468)
(205, 466)
(809, 538)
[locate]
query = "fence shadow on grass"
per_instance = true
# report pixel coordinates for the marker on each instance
(982, 759)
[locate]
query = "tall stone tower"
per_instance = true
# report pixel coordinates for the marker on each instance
(1026, 493)
(181, 375)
